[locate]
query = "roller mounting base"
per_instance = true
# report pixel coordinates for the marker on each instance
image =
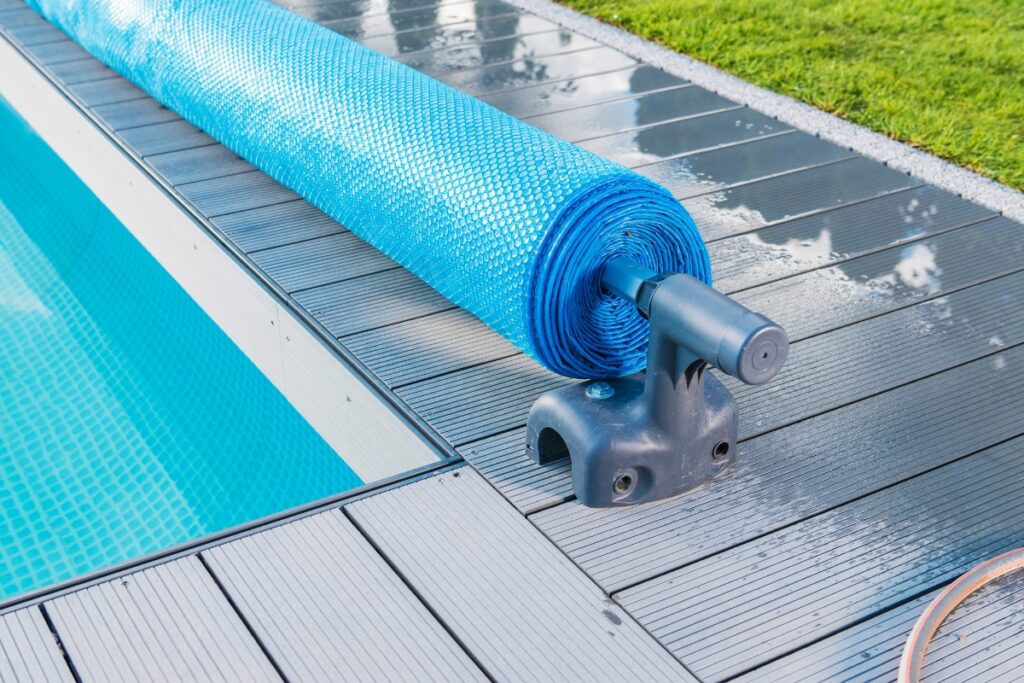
(620, 455)
(671, 428)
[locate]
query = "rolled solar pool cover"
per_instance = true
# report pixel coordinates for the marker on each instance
(501, 218)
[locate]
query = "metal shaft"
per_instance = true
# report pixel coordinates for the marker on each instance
(709, 324)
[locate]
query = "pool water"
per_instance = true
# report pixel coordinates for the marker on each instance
(129, 422)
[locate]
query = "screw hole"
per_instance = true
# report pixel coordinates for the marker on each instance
(721, 450)
(764, 355)
(623, 483)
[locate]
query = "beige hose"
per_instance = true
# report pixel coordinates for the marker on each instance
(928, 623)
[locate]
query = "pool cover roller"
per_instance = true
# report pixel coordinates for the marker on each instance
(501, 218)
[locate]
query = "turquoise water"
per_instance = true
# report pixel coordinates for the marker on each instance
(129, 422)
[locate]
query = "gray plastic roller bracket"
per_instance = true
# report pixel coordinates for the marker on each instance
(671, 428)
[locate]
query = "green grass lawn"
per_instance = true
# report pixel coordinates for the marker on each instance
(946, 76)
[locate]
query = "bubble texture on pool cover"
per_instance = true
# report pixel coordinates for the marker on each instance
(501, 218)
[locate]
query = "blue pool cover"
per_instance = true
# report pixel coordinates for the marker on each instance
(501, 218)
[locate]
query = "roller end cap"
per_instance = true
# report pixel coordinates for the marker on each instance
(763, 349)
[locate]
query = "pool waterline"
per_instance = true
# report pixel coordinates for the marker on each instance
(129, 422)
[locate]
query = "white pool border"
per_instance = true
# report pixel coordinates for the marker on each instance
(368, 432)
(928, 167)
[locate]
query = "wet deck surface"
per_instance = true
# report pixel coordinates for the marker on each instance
(882, 462)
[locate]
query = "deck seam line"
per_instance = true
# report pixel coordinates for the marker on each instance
(147, 157)
(341, 338)
(95, 115)
(770, 176)
(655, 124)
(386, 34)
(65, 654)
(441, 4)
(416, 593)
(482, 96)
(342, 230)
(867, 252)
(69, 60)
(482, 67)
(488, 65)
(714, 148)
(238, 612)
(99, 79)
(303, 290)
(656, 162)
(468, 366)
(481, 43)
(916, 184)
(576, 107)
(236, 211)
(153, 170)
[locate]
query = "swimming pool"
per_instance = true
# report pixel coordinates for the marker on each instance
(129, 421)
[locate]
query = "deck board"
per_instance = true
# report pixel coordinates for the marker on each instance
(426, 347)
(517, 602)
(490, 52)
(401, 20)
(472, 403)
(903, 390)
(885, 281)
(125, 114)
(321, 260)
(276, 225)
(163, 138)
(328, 608)
(683, 137)
(758, 159)
(201, 162)
(614, 118)
(117, 90)
(81, 71)
(28, 651)
(170, 622)
(399, 296)
(576, 93)
(800, 245)
(411, 45)
(818, 190)
(226, 194)
(779, 592)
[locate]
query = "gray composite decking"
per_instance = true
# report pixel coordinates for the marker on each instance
(885, 459)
